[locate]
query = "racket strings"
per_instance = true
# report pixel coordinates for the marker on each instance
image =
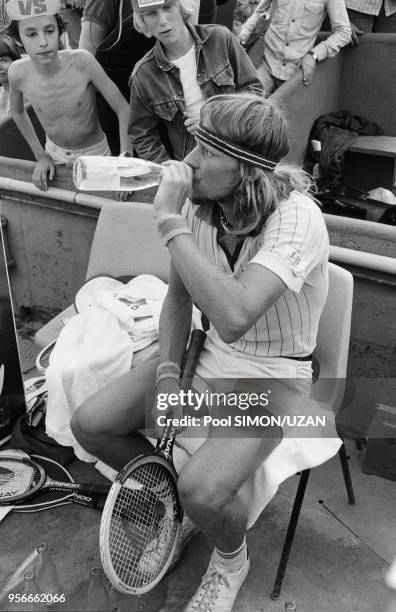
(144, 525)
(42, 361)
(16, 478)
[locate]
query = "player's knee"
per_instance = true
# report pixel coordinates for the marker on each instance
(83, 428)
(202, 496)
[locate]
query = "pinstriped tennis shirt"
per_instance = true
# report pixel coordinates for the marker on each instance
(294, 245)
(372, 7)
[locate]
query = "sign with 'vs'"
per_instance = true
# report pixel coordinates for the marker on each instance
(23, 9)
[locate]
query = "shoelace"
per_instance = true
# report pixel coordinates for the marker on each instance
(205, 598)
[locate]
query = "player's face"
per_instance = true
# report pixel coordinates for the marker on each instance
(165, 22)
(215, 174)
(5, 63)
(40, 37)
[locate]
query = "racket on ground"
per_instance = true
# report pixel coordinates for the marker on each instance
(142, 516)
(22, 477)
(46, 499)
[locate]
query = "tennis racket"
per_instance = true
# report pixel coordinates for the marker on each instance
(22, 477)
(142, 516)
(46, 499)
(42, 359)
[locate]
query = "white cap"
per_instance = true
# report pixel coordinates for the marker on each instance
(24, 9)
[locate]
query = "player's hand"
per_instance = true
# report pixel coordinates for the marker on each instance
(308, 65)
(174, 188)
(191, 122)
(43, 169)
(162, 410)
(355, 35)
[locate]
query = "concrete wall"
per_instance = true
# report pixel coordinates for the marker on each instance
(303, 105)
(368, 80)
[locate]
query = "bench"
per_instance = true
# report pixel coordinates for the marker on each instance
(371, 162)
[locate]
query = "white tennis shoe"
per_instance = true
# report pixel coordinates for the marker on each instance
(218, 589)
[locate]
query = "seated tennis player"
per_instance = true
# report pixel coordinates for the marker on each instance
(250, 247)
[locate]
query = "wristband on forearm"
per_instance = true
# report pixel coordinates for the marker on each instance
(171, 225)
(167, 369)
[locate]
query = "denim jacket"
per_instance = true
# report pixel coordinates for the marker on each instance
(157, 103)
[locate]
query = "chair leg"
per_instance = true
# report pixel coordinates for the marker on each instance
(291, 530)
(347, 475)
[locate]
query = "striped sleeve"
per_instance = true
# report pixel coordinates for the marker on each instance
(294, 241)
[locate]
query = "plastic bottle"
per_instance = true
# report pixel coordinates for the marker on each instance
(27, 598)
(97, 598)
(114, 173)
(46, 573)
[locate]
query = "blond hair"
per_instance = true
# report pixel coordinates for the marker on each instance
(257, 124)
(187, 10)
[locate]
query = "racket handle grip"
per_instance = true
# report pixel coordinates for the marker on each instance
(197, 340)
(84, 489)
(91, 501)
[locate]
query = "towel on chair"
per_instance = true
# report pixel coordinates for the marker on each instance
(97, 345)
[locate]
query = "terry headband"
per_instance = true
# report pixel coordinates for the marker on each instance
(24, 9)
(230, 148)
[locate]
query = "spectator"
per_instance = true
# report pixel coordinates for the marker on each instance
(117, 46)
(71, 12)
(8, 53)
(371, 16)
(289, 42)
(187, 65)
(60, 86)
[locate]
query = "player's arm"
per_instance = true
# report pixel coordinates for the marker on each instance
(174, 331)
(232, 305)
(175, 320)
(111, 94)
(44, 166)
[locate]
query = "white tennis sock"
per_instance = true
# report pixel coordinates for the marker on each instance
(231, 561)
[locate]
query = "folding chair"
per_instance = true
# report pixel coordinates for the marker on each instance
(125, 243)
(332, 354)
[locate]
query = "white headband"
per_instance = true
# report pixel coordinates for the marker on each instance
(235, 150)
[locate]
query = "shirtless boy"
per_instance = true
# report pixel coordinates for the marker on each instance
(61, 87)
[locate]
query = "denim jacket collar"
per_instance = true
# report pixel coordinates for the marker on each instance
(200, 35)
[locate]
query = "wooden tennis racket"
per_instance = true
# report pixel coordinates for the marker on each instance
(142, 516)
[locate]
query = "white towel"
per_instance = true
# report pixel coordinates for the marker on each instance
(91, 351)
(97, 345)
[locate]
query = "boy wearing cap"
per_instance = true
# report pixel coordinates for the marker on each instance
(187, 65)
(61, 87)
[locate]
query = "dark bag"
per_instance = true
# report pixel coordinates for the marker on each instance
(34, 440)
(352, 203)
